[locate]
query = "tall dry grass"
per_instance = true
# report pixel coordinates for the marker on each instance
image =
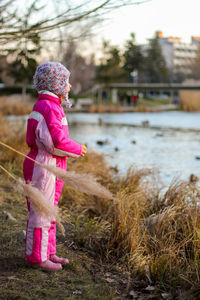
(159, 233)
(190, 100)
(15, 107)
(14, 137)
(152, 231)
(112, 108)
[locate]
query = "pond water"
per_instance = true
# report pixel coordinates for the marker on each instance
(173, 119)
(170, 144)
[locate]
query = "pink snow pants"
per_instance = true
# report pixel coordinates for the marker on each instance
(47, 137)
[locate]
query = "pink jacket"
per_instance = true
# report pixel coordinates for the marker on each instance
(48, 139)
(48, 129)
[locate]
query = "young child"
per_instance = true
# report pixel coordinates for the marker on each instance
(48, 139)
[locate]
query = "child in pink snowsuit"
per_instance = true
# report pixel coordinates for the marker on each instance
(49, 143)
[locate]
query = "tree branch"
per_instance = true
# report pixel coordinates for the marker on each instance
(69, 16)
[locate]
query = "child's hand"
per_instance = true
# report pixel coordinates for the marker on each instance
(84, 150)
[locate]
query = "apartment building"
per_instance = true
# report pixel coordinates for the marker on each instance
(179, 55)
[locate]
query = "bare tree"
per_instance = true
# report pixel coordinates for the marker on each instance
(45, 18)
(26, 26)
(82, 68)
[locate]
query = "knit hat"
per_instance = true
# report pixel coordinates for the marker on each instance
(52, 77)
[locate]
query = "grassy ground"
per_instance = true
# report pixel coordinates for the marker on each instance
(155, 101)
(144, 244)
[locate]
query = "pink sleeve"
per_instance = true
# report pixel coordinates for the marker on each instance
(59, 135)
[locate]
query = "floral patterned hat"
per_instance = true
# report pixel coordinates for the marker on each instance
(52, 77)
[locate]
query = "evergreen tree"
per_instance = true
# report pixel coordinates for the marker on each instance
(24, 63)
(133, 58)
(155, 65)
(109, 70)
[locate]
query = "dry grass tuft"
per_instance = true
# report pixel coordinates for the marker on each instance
(83, 182)
(14, 137)
(153, 231)
(190, 100)
(40, 203)
(162, 240)
(17, 108)
(112, 108)
(142, 108)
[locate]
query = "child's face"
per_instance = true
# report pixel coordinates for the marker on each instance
(67, 92)
(69, 86)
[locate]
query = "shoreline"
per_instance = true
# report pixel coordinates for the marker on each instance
(139, 126)
(100, 122)
(115, 108)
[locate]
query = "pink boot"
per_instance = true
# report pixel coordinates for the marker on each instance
(47, 266)
(59, 260)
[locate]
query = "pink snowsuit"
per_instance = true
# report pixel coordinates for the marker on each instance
(47, 137)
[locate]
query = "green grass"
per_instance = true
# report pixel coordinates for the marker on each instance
(155, 101)
(141, 101)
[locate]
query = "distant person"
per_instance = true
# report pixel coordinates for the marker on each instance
(134, 100)
(105, 95)
(128, 97)
(122, 99)
(175, 100)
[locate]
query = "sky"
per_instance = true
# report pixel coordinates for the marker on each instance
(174, 17)
(180, 18)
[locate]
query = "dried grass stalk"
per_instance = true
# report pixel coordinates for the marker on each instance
(82, 182)
(156, 223)
(40, 204)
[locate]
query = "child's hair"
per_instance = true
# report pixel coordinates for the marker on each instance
(52, 77)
